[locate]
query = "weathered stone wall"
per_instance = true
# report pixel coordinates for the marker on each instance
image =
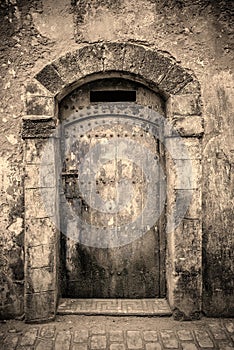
(198, 35)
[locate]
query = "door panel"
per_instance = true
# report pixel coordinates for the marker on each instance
(135, 269)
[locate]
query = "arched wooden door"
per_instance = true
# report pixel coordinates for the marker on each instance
(135, 269)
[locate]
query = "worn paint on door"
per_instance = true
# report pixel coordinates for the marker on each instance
(135, 270)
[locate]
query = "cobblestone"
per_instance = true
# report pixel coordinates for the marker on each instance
(98, 342)
(169, 340)
(63, 340)
(226, 345)
(47, 332)
(67, 335)
(81, 336)
(116, 336)
(10, 342)
(185, 334)
(29, 337)
(150, 336)
(189, 346)
(217, 332)
(229, 325)
(134, 340)
(44, 344)
(204, 339)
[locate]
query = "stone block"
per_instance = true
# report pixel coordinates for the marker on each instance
(185, 335)
(117, 346)
(50, 79)
(63, 340)
(188, 177)
(183, 204)
(134, 340)
(183, 148)
(81, 336)
(40, 280)
(98, 342)
(195, 202)
(187, 295)
(116, 336)
(229, 325)
(68, 67)
(40, 203)
(203, 339)
(29, 337)
(184, 174)
(34, 88)
(80, 347)
(188, 247)
(40, 256)
(113, 56)
(10, 342)
(90, 59)
(193, 87)
(175, 80)
(40, 176)
(39, 151)
(188, 126)
(217, 331)
(150, 336)
(44, 344)
(38, 127)
(133, 59)
(155, 66)
(47, 331)
(40, 306)
(195, 207)
(169, 339)
(40, 232)
(186, 105)
(40, 105)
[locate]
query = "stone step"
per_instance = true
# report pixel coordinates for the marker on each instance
(117, 307)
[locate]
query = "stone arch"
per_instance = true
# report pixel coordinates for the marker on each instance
(181, 91)
(156, 68)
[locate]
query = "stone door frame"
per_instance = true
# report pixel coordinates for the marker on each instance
(181, 91)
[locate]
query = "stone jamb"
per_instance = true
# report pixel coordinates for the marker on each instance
(181, 91)
(41, 235)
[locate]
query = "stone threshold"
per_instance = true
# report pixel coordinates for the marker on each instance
(114, 307)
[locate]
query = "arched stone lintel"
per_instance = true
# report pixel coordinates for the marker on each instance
(154, 67)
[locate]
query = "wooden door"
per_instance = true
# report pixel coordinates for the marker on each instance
(132, 270)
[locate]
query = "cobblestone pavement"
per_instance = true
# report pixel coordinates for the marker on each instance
(116, 333)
